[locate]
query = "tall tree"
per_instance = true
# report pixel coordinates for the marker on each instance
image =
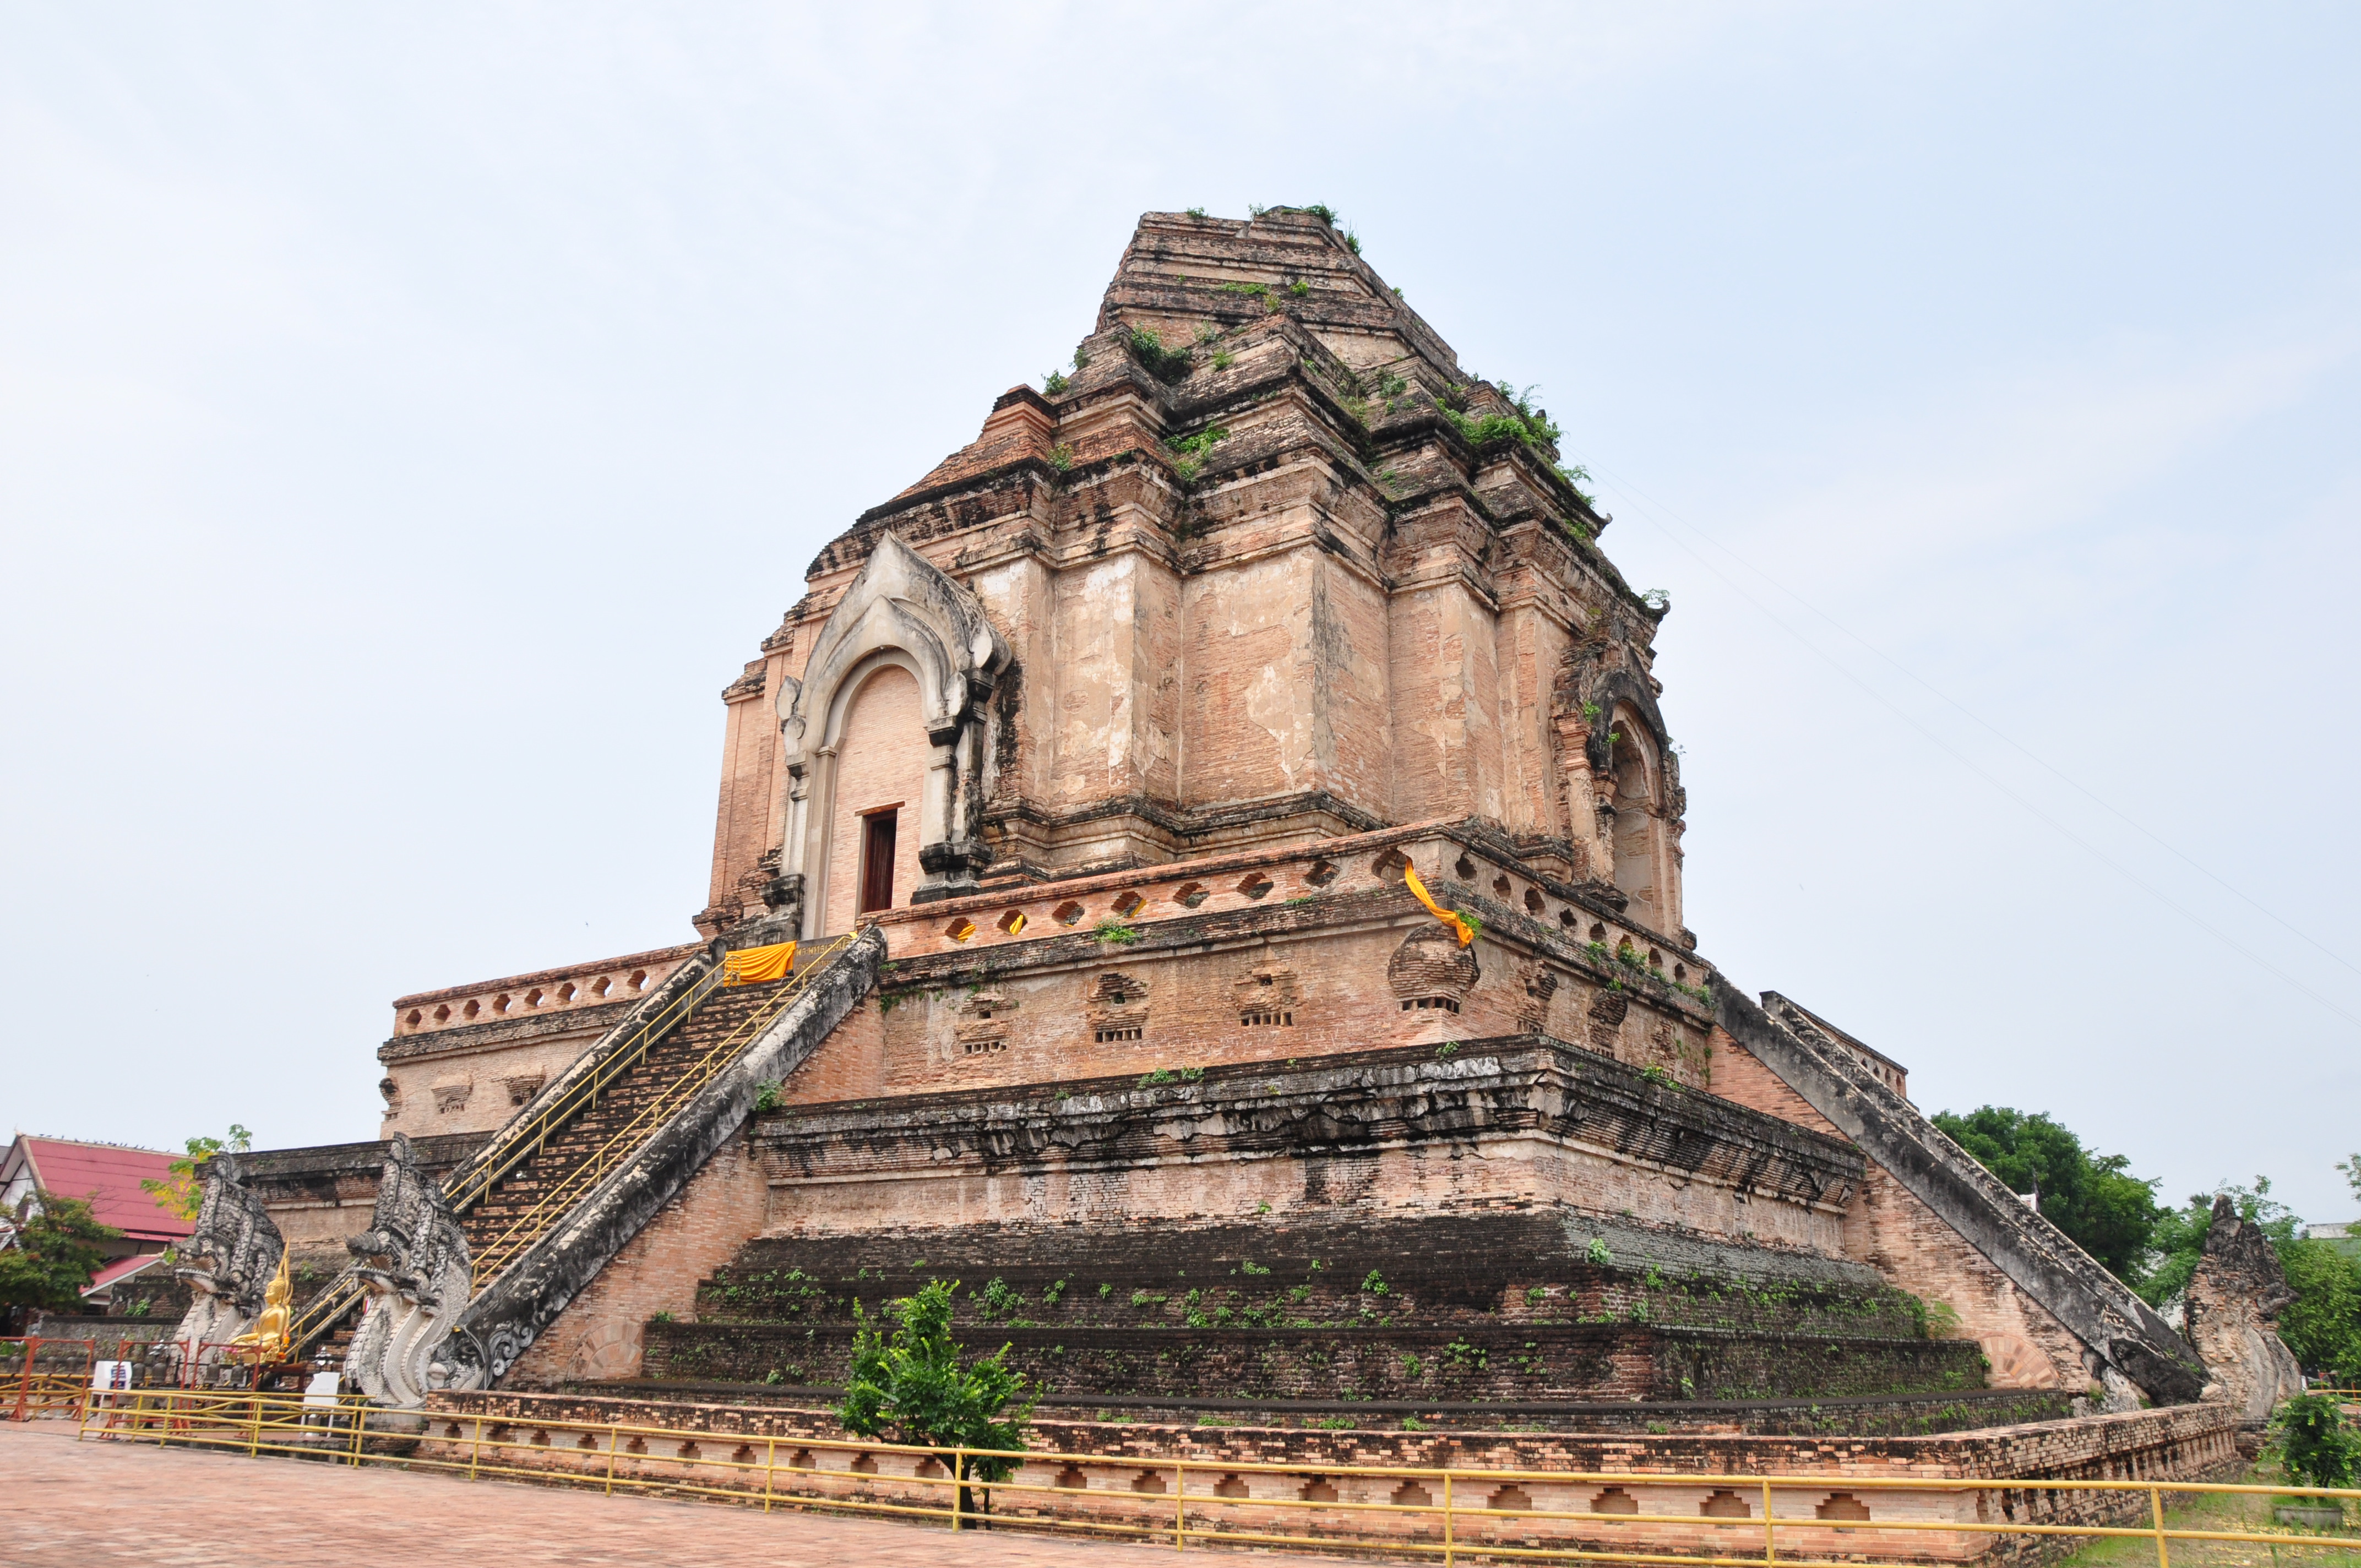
(2094, 1199)
(57, 1246)
(182, 1190)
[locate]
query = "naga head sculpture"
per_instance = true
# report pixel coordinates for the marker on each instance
(412, 1241)
(235, 1248)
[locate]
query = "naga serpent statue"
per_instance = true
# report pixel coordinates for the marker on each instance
(412, 1261)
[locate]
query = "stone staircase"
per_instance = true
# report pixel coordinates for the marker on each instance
(567, 1181)
(522, 1205)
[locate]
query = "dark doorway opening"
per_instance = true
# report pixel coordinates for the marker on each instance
(877, 858)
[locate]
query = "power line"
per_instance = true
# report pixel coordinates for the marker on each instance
(1647, 506)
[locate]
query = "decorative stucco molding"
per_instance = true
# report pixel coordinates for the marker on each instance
(900, 611)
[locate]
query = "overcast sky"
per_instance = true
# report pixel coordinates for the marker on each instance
(411, 418)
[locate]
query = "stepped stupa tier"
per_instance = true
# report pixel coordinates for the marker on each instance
(1231, 839)
(1266, 568)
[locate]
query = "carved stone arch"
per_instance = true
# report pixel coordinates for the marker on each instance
(1637, 794)
(1621, 688)
(901, 609)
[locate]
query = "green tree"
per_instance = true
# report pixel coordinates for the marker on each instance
(181, 1191)
(2179, 1239)
(909, 1381)
(2094, 1199)
(2315, 1443)
(55, 1250)
(2321, 1325)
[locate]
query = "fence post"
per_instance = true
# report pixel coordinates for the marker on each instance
(1447, 1537)
(254, 1432)
(1180, 1508)
(24, 1382)
(611, 1458)
(2156, 1510)
(958, 1459)
(769, 1469)
(359, 1414)
(475, 1447)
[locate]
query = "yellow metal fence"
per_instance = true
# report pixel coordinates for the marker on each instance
(1436, 1512)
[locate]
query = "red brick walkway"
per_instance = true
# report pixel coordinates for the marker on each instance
(70, 1504)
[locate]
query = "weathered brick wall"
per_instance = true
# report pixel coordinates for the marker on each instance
(850, 1066)
(1378, 1132)
(1530, 1362)
(460, 1057)
(599, 1334)
(1328, 632)
(1910, 1245)
(1126, 1473)
(1267, 956)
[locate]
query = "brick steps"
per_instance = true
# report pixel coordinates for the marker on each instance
(581, 1141)
(1536, 1266)
(1505, 1362)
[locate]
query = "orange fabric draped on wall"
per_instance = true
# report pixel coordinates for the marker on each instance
(758, 966)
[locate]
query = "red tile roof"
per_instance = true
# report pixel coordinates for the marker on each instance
(122, 1269)
(108, 1174)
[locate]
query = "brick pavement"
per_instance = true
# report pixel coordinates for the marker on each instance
(65, 1504)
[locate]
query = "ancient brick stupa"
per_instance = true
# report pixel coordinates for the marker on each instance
(1116, 736)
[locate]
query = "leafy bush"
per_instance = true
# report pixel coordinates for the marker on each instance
(2314, 1444)
(1164, 364)
(910, 1381)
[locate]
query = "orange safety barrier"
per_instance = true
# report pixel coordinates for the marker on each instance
(32, 1389)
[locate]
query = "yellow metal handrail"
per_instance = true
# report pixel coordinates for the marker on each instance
(533, 1223)
(520, 1140)
(744, 1467)
(523, 1139)
(513, 1145)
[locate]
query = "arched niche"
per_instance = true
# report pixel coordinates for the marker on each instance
(900, 613)
(1636, 773)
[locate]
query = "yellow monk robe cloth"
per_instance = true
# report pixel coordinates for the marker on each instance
(758, 966)
(1451, 918)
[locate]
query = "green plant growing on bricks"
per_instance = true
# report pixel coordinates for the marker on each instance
(910, 1381)
(1164, 364)
(1191, 450)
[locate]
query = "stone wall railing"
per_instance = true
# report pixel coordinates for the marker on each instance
(542, 993)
